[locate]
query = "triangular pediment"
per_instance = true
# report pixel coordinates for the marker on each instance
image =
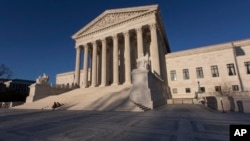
(110, 17)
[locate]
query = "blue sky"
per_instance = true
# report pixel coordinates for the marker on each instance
(35, 35)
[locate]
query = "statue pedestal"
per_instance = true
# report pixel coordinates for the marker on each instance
(38, 91)
(148, 90)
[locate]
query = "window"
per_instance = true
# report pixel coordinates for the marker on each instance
(188, 90)
(218, 88)
(231, 69)
(235, 87)
(185, 74)
(214, 71)
(202, 89)
(174, 90)
(173, 75)
(199, 72)
(247, 64)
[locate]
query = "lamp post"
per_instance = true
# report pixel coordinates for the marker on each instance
(222, 105)
(199, 91)
(199, 88)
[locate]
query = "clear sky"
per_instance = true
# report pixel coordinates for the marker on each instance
(35, 35)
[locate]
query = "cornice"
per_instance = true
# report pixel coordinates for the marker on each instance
(65, 73)
(209, 48)
(155, 6)
(244, 42)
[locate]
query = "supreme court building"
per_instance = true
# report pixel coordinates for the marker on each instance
(113, 41)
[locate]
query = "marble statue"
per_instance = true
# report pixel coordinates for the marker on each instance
(44, 79)
(143, 62)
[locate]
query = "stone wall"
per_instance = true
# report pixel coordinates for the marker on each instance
(236, 103)
(240, 103)
(67, 78)
(218, 103)
(39, 91)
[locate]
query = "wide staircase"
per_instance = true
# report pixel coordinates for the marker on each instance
(110, 98)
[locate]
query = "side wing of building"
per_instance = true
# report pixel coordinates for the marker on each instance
(212, 69)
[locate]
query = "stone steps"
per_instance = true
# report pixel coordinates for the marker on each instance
(144, 108)
(115, 100)
(110, 98)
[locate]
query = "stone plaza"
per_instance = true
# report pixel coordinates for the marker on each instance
(166, 123)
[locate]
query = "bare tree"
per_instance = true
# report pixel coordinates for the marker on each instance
(226, 90)
(5, 71)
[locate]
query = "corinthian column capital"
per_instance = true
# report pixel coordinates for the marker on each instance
(125, 33)
(94, 43)
(153, 26)
(103, 40)
(114, 36)
(139, 29)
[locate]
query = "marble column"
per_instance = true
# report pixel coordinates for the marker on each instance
(77, 67)
(127, 58)
(98, 69)
(154, 50)
(109, 74)
(94, 71)
(139, 42)
(115, 61)
(85, 67)
(122, 63)
(104, 63)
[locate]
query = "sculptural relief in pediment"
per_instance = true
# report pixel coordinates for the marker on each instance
(110, 19)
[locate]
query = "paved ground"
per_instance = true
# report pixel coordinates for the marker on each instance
(168, 123)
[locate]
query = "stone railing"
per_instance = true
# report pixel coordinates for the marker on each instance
(39, 91)
(63, 86)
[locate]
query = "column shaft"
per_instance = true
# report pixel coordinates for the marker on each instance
(85, 67)
(154, 50)
(139, 42)
(115, 60)
(77, 67)
(94, 54)
(127, 58)
(104, 63)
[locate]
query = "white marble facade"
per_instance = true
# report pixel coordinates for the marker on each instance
(112, 42)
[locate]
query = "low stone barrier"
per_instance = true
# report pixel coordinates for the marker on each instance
(240, 103)
(218, 103)
(246, 106)
(237, 103)
(39, 91)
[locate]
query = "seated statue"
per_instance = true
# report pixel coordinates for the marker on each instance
(143, 62)
(42, 79)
